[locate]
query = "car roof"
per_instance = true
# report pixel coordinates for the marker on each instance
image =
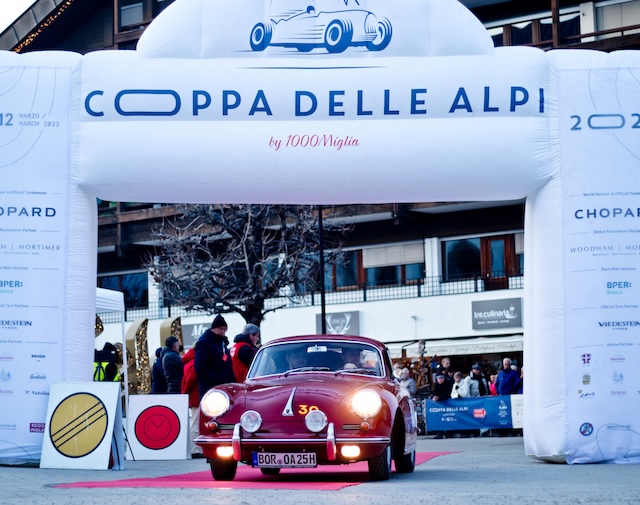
(329, 338)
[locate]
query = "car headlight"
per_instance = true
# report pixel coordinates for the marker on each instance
(315, 421)
(250, 421)
(366, 403)
(215, 403)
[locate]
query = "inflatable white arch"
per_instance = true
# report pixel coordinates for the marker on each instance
(346, 101)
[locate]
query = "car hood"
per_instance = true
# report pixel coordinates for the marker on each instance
(280, 397)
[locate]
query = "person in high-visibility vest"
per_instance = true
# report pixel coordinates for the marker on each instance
(104, 365)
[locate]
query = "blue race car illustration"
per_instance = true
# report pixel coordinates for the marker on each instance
(335, 31)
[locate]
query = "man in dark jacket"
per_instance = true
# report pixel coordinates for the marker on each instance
(158, 382)
(441, 389)
(213, 361)
(172, 365)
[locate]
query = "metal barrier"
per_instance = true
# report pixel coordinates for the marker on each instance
(429, 286)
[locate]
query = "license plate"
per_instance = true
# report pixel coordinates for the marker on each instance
(284, 459)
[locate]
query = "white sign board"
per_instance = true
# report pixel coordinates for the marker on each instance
(84, 427)
(158, 427)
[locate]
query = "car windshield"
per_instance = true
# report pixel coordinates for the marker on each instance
(317, 356)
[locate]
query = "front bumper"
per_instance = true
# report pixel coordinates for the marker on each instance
(326, 445)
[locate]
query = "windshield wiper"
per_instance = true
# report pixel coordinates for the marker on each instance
(366, 371)
(308, 369)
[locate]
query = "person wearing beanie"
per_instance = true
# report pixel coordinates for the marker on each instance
(172, 365)
(158, 382)
(218, 322)
(212, 359)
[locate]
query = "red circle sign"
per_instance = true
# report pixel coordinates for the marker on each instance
(157, 427)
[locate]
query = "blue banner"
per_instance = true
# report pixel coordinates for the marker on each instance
(469, 413)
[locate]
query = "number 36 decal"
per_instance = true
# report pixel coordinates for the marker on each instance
(605, 122)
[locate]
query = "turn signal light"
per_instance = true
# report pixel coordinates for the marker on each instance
(365, 426)
(211, 425)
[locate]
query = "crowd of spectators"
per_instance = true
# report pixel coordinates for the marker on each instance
(437, 380)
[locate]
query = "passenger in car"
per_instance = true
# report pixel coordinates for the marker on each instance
(370, 360)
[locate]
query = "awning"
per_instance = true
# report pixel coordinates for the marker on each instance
(108, 300)
(458, 346)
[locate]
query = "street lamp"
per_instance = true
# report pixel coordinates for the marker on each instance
(323, 309)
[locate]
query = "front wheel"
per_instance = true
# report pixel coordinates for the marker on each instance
(405, 463)
(380, 466)
(223, 469)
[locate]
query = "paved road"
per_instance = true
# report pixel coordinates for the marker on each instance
(478, 472)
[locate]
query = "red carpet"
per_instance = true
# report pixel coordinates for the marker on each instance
(323, 478)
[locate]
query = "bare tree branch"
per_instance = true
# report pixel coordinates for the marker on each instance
(237, 256)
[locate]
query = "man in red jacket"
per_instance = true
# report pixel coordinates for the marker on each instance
(190, 387)
(244, 349)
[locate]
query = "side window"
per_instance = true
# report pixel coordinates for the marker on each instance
(461, 259)
(135, 287)
(488, 258)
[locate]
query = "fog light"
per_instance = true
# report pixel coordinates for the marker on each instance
(225, 451)
(250, 421)
(350, 451)
(315, 421)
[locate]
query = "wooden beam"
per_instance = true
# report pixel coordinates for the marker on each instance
(555, 23)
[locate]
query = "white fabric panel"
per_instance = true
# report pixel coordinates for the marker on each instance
(544, 407)
(600, 156)
(44, 311)
(217, 29)
(356, 158)
(544, 391)
(82, 263)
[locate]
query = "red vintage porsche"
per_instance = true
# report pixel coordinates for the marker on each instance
(308, 401)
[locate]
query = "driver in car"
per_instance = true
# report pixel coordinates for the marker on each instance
(352, 359)
(296, 358)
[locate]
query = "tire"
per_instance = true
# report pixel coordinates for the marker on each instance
(405, 463)
(223, 469)
(270, 471)
(337, 36)
(380, 466)
(260, 36)
(383, 38)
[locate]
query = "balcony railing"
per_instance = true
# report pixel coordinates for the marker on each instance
(430, 286)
